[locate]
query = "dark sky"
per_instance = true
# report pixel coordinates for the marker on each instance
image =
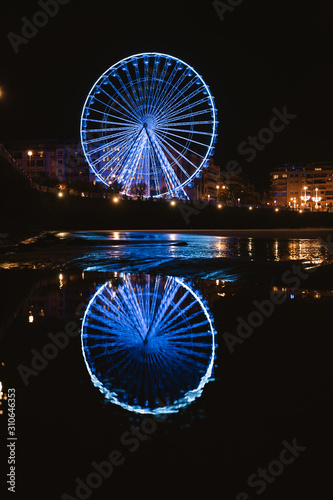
(265, 54)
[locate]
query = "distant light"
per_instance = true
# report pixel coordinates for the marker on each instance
(173, 203)
(219, 205)
(250, 208)
(277, 209)
(31, 318)
(29, 153)
(223, 187)
(115, 199)
(60, 195)
(217, 187)
(300, 211)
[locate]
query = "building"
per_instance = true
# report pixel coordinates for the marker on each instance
(52, 159)
(303, 187)
(206, 185)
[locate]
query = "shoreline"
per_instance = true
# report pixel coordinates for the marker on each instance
(307, 232)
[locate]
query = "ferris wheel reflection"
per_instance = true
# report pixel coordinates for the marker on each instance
(148, 342)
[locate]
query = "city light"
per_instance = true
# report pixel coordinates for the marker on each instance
(173, 203)
(29, 153)
(30, 318)
(250, 208)
(60, 195)
(115, 199)
(219, 205)
(277, 209)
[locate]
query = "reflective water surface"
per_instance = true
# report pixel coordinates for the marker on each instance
(205, 256)
(105, 356)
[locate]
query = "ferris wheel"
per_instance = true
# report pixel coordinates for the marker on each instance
(148, 343)
(149, 126)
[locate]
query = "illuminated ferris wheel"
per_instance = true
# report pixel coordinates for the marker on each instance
(149, 123)
(148, 343)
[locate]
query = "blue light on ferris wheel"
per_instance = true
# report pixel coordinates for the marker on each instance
(149, 343)
(145, 120)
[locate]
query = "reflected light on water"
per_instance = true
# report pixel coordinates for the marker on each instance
(306, 249)
(221, 247)
(148, 343)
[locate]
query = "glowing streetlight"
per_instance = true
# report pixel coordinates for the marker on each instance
(173, 203)
(219, 205)
(60, 195)
(115, 199)
(316, 198)
(30, 155)
(306, 197)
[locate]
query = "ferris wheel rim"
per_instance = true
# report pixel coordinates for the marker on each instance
(212, 109)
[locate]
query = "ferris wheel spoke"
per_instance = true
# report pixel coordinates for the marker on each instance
(118, 117)
(174, 308)
(180, 98)
(160, 83)
(175, 87)
(191, 140)
(155, 171)
(187, 131)
(133, 107)
(173, 98)
(191, 115)
(130, 167)
(126, 110)
(119, 130)
(107, 122)
(153, 84)
(169, 174)
(168, 152)
(115, 159)
(130, 81)
(130, 104)
(168, 83)
(178, 151)
(178, 108)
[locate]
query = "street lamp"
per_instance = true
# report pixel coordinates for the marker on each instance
(30, 155)
(316, 198)
(305, 198)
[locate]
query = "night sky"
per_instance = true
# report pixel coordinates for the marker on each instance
(264, 55)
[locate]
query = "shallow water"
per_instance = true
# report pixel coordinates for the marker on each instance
(268, 386)
(200, 255)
